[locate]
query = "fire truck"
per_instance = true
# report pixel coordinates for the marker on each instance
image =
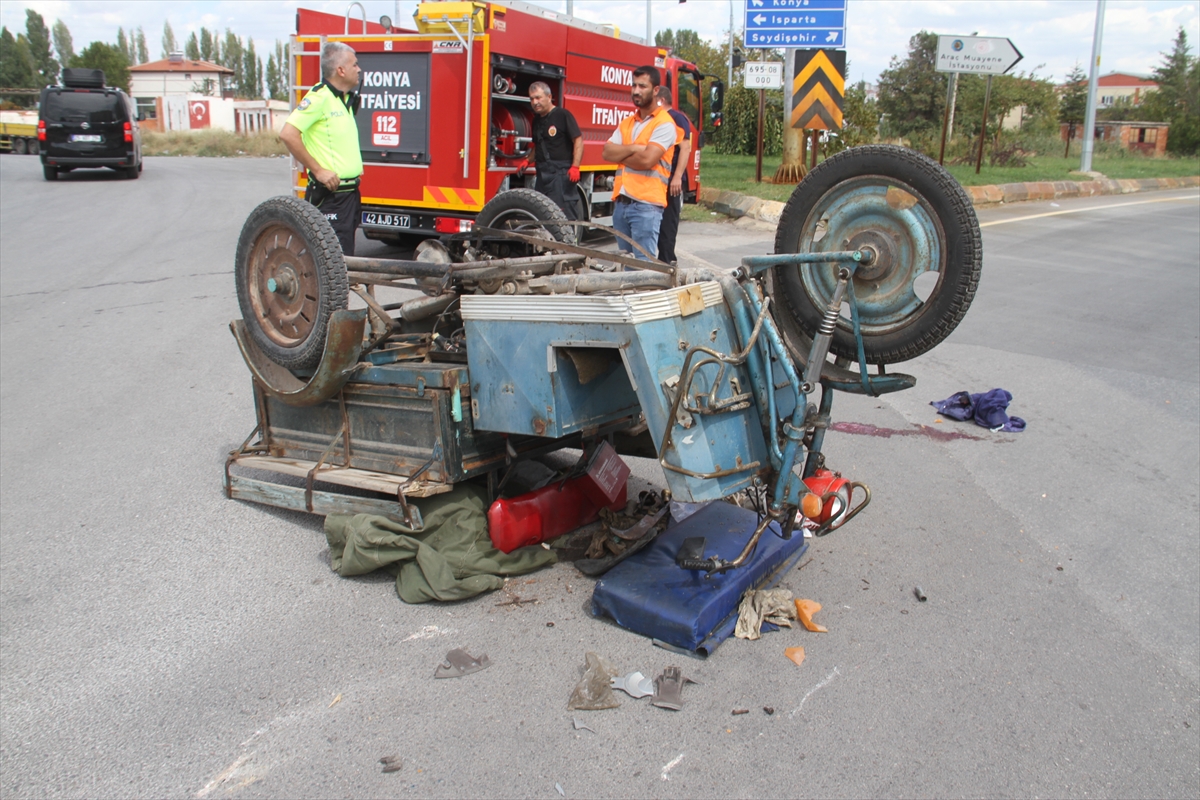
(445, 120)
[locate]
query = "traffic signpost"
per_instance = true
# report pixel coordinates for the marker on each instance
(762, 75)
(795, 23)
(977, 55)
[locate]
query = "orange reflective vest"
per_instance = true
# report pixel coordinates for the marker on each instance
(645, 185)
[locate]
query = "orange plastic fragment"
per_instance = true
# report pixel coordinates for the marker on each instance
(804, 611)
(796, 654)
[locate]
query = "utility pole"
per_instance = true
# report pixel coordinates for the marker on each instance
(1089, 117)
(649, 36)
(729, 82)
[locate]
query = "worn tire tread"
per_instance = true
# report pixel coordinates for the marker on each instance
(333, 283)
(910, 167)
(535, 203)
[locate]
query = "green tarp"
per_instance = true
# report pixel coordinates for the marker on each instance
(451, 559)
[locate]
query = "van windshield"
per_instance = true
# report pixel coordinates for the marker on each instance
(91, 107)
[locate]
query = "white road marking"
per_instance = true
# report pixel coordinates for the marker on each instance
(1089, 208)
(674, 762)
(820, 685)
(224, 776)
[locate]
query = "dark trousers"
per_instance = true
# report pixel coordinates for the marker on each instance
(669, 229)
(342, 208)
(553, 182)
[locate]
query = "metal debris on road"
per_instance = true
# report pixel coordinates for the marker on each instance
(459, 663)
(920, 594)
(668, 689)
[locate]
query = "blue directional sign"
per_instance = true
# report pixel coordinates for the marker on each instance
(796, 23)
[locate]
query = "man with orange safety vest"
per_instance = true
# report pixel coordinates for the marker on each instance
(642, 144)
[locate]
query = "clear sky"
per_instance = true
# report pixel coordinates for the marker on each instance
(1052, 34)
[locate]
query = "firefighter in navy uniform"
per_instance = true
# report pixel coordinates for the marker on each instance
(558, 149)
(322, 135)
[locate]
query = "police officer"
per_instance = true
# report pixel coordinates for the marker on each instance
(321, 135)
(678, 187)
(558, 149)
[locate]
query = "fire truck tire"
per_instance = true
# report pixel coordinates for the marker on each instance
(18, 146)
(918, 219)
(291, 277)
(519, 207)
(50, 173)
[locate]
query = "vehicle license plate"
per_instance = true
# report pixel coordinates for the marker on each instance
(386, 220)
(87, 137)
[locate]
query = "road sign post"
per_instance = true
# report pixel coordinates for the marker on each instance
(787, 23)
(977, 55)
(762, 75)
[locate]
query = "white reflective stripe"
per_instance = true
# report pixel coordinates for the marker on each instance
(649, 173)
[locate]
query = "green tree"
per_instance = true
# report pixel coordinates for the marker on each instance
(277, 73)
(860, 118)
(251, 84)
(107, 57)
(1036, 95)
(17, 70)
(126, 46)
(1177, 98)
(208, 44)
(143, 52)
(231, 57)
(38, 36)
(1072, 105)
(169, 45)
(64, 48)
(912, 93)
(192, 48)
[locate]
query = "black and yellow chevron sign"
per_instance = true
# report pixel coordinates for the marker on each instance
(819, 89)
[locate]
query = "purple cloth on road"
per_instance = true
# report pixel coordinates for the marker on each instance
(988, 409)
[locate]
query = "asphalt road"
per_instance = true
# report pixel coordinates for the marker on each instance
(158, 640)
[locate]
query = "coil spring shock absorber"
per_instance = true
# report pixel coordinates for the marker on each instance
(821, 342)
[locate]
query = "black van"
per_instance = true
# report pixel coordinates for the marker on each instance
(84, 123)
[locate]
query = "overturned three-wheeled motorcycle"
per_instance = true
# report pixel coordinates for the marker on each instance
(515, 340)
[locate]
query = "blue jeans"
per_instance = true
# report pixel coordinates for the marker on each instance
(640, 222)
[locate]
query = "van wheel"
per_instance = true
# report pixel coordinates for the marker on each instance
(291, 277)
(132, 173)
(50, 173)
(919, 221)
(18, 146)
(525, 211)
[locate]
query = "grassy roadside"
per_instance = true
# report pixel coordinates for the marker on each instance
(212, 144)
(736, 173)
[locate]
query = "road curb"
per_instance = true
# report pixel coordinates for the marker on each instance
(735, 204)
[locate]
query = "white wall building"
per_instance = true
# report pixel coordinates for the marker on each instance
(181, 94)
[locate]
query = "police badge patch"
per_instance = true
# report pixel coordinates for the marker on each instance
(553, 131)
(305, 103)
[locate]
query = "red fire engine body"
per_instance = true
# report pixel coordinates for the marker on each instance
(445, 116)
